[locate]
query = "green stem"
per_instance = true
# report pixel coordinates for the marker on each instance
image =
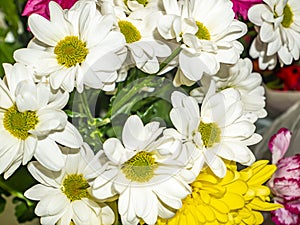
(169, 59)
(86, 107)
(103, 122)
(14, 192)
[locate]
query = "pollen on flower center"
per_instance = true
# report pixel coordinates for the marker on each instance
(202, 33)
(70, 51)
(288, 17)
(210, 133)
(75, 187)
(19, 123)
(130, 32)
(140, 168)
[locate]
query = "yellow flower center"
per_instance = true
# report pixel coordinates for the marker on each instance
(140, 168)
(75, 187)
(210, 133)
(130, 32)
(288, 17)
(202, 33)
(19, 123)
(70, 51)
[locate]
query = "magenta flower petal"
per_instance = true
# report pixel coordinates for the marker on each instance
(285, 186)
(241, 7)
(279, 144)
(285, 217)
(41, 7)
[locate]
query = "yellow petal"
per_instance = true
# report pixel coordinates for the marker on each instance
(219, 205)
(205, 197)
(221, 217)
(234, 201)
(238, 186)
(261, 191)
(258, 204)
(258, 217)
(208, 212)
(262, 175)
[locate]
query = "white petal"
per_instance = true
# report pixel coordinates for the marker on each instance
(245, 128)
(52, 204)
(6, 100)
(133, 132)
(115, 151)
(29, 148)
(82, 212)
(66, 217)
(49, 155)
(26, 96)
(63, 26)
(69, 136)
(146, 205)
(107, 215)
(9, 151)
(37, 192)
(255, 12)
(171, 196)
(215, 163)
(60, 100)
(15, 74)
(237, 152)
(191, 66)
(44, 30)
(43, 175)
(49, 120)
(165, 26)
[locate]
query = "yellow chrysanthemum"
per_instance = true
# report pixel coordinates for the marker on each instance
(237, 198)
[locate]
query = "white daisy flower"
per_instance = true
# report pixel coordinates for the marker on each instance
(146, 172)
(76, 47)
(241, 78)
(64, 196)
(207, 32)
(278, 26)
(32, 121)
(215, 133)
(144, 48)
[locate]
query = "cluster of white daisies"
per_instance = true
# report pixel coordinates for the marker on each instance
(149, 170)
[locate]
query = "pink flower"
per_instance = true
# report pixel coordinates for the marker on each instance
(285, 183)
(41, 7)
(241, 7)
(279, 144)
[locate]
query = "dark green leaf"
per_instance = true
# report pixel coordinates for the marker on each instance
(2, 204)
(23, 212)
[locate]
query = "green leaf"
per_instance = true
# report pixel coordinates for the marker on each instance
(10, 10)
(2, 204)
(2, 199)
(23, 212)
(148, 97)
(6, 53)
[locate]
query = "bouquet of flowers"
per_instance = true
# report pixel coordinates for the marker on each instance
(142, 112)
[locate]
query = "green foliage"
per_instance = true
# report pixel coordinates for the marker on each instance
(13, 25)
(9, 8)
(16, 185)
(23, 211)
(2, 199)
